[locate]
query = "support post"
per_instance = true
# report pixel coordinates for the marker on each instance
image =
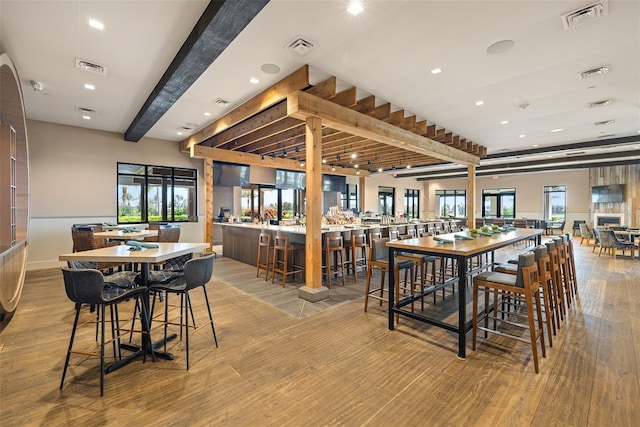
(471, 196)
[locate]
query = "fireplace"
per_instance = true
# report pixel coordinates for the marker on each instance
(604, 219)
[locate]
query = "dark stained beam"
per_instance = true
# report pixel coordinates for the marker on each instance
(218, 26)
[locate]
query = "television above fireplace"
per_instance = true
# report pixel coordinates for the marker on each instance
(607, 193)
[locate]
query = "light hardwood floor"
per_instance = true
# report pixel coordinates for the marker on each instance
(337, 367)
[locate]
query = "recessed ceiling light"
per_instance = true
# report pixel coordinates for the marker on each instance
(270, 68)
(556, 130)
(254, 81)
(504, 122)
(324, 160)
(86, 117)
(94, 23)
(355, 7)
(408, 166)
(356, 166)
(500, 46)
(379, 169)
(206, 113)
(536, 145)
(479, 103)
(89, 86)
(436, 71)
(354, 155)
(333, 168)
(179, 133)
(522, 136)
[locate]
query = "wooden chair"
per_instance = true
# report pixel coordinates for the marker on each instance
(283, 262)
(84, 240)
(264, 246)
(523, 287)
(333, 249)
(379, 261)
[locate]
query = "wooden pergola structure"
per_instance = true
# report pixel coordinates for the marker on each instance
(293, 125)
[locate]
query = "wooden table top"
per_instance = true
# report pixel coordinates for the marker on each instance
(478, 245)
(121, 253)
(126, 235)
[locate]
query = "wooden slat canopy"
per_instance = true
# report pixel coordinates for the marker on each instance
(269, 130)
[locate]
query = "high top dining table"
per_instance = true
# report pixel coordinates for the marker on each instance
(462, 251)
(125, 235)
(144, 256)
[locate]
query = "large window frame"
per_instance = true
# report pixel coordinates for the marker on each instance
(412, 203)
(555, 211)
(452, 203)
(163, 193)
(496, 203)
(386, 200)
(350, 198)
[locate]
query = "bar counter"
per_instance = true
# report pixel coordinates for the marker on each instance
(240, 240)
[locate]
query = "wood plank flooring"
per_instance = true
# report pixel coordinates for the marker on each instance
(339, 366)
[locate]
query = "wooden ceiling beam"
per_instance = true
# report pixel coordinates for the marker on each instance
(325, 89)
(431, 131)
(382, 112)
(345, 98)
(366, 105)
(296, 81)
(302, 105)
(217, 154)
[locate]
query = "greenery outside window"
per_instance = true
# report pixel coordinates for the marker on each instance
(412, 203)
(452, 203)
(386, 197)
(156, 193)
(499, 203)
(555, 203)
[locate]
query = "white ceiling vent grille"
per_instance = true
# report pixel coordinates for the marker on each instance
(221, 102)
(594, 72)
(585, 14)
(605, 122)
(86, 110)
(602, 103)
(300, 46)
(91, 67)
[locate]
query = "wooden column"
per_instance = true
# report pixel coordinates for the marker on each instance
(361, 191)
(208, 201)
(471, 196)
(313, 289)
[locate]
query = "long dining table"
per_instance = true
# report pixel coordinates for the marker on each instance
(462, 251)
(125, 234)
(144, 256)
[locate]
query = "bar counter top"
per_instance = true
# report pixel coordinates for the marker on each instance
(300, 229)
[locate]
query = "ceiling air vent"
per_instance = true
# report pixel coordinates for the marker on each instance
(576, 153)
(585, 14)
(86, 110)
(603, 103)
(300, 46)
(91, 67)
(221, 102)
(604, 69)
(605, 122)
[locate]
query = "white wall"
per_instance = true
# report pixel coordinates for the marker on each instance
(73, 180)
(529, 192)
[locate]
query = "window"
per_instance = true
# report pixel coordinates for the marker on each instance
(452, 203)
(412, 203)
(350, 199)
(386, 196)
(555, 202)
(499, 203)
(156, 193)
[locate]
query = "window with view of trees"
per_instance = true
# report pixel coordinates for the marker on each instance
(555, 202)
(452, 203)
(156, 193)
(499, 203)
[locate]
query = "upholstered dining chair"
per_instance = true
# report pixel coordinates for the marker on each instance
(87, 286)
(84, 240)
(585, 233)
(197, 273)
(608, 240)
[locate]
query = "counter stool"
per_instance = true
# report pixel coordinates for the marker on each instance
(281, 246)
(422, 263)
(564, 269)
(357, 252)
(333, 248)
(264, 244)
(572, 266)
(524, 286)
(379, 260)
(556, 280)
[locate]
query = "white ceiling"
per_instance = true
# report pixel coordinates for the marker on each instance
(388, 51)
